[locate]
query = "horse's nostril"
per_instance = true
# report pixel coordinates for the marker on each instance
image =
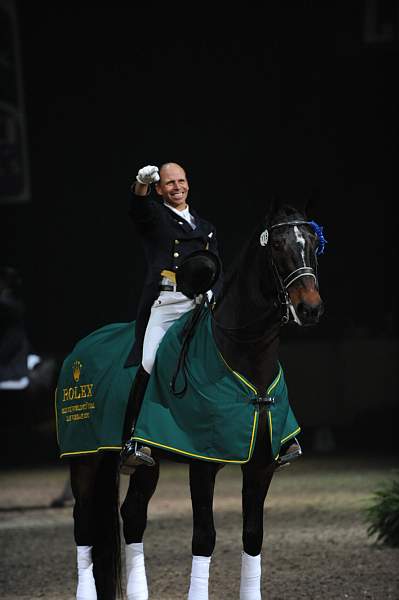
(308, 312)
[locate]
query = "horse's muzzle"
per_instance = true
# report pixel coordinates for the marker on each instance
(309, 314)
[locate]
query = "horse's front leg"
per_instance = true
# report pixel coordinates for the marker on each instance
(256, 482)
(83, 474)
(134, 509)
(202, 486)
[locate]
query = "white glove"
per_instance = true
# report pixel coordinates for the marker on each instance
(198, 298)
(148, 175)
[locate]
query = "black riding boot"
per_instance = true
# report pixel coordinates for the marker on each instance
(133, 455)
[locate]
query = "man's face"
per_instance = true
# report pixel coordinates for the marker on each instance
(173, 186)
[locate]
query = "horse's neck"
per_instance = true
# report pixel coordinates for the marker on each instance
(247, 326)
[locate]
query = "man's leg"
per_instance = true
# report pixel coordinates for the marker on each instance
(131, 455)
(166, 309)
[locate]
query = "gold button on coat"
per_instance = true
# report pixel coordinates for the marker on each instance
(175, 254)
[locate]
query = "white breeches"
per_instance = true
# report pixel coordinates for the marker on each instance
(168, 307)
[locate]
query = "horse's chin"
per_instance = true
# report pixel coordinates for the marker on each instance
(310, 324)
(304, 321)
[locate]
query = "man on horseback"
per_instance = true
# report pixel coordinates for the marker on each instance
(238, 408)
(170, 231)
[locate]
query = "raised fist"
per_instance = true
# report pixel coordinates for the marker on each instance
(148, 175)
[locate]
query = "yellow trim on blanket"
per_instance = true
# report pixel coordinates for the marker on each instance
(268, 391)
(287, 437)
(252, 387)
(192, 455)
(269, 414)
(275, 382)
(241, 378)
(56, 417)
(90, 451)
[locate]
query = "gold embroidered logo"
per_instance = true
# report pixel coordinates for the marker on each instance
(76, 367)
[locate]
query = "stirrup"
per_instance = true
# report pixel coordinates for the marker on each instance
(293, 452)
(133, 456)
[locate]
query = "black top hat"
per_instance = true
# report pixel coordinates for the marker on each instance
(198, 273)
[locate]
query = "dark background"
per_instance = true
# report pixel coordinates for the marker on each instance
(299, 100)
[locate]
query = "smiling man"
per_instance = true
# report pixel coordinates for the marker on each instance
(173, 186)
(170, 231)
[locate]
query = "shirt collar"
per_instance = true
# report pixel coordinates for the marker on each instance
(184, 213)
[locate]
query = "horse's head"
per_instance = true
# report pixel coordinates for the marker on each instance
(294, 242)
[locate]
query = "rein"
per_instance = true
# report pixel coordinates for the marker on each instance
(187, 335)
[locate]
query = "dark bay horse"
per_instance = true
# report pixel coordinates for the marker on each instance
(273, 281)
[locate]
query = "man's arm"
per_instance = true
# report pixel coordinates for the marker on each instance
(141, 211)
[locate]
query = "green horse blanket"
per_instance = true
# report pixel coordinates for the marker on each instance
(215, 420)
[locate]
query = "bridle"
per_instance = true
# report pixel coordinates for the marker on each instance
(284, 283)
